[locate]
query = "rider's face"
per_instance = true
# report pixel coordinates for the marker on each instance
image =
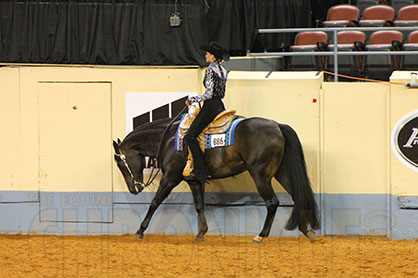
(210, 57)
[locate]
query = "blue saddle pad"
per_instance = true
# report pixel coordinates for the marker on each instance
(211, 140)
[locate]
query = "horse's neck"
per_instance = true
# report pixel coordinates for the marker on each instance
(147, 140)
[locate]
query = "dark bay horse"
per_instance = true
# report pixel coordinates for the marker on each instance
(263, 147)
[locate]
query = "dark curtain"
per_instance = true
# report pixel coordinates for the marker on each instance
(233, 23)
(138, 32)
(281, 14)
(128, 32)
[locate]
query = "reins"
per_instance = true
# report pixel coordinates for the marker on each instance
(152, 175)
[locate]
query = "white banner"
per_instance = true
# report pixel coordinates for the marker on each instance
(138, 103)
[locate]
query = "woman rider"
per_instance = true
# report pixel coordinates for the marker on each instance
(215, 83)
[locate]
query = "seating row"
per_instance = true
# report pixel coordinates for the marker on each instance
(396, 4)
(372, 66)
(373, 16)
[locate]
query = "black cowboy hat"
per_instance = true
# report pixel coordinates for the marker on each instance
(217, 50)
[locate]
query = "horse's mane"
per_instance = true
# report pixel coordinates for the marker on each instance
(132, 140)
(152, 125)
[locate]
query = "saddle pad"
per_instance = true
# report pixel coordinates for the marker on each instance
(211, 140)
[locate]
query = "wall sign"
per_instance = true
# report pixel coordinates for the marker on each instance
(143, 107)
(404, 140)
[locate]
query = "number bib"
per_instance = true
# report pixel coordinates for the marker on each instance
(217, 140)
(211, 140)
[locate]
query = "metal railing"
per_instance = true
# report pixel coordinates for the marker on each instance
(335, 52)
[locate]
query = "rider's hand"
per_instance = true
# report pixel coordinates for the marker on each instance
(191, 100)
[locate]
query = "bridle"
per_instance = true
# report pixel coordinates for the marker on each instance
(135, 181)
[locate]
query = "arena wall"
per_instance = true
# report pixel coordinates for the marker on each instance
(58, 174)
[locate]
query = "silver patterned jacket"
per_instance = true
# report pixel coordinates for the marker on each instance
(214, 82)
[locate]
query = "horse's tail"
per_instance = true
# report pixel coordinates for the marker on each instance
(305, 210)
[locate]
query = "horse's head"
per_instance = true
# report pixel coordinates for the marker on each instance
(131, 164)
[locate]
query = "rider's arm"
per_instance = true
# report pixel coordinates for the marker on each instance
(209, 84)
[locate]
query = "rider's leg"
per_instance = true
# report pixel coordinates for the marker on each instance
(201, 121)
(210, 109)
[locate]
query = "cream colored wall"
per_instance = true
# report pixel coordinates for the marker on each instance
(70, 114)
(19, 113)
(404, 181)
(355, 138)
(344, 127)
(10, 120)
(358, 119)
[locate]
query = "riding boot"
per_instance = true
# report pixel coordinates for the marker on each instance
(199, 167)
(188, 169)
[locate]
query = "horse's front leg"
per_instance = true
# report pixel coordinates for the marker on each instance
(163, 191)
(198, 196)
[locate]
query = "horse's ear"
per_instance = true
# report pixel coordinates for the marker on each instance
(119, 141)
(116, 147)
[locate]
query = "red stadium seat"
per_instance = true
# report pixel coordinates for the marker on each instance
(341, 16)
(413, 38)
(308, 41)
(407, 16)
(399, 4)
(348, 38)
(348, 41)
(377, 16)
(364, 4)
(410, 62)
(385, 38)
(310, 38)
(381, 66)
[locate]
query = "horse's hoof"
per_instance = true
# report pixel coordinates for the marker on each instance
(199, 239)
(258, 239)
(311, 235)
(139, 236)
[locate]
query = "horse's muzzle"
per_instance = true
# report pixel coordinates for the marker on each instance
(138, 187)
(135, 187)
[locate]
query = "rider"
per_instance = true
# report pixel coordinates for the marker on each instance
(215, 83)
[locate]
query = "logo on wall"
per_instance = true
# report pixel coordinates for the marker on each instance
(145, 107)
(404, 140)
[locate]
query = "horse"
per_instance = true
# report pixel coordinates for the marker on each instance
(263, 147)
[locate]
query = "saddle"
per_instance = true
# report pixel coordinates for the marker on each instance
(219, 125)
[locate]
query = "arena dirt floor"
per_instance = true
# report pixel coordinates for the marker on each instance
(217, 256)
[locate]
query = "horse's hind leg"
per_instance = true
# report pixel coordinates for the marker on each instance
(267, 193)
(282, 177)
(198, 192)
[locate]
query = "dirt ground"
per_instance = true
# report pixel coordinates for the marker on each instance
(217, 256)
